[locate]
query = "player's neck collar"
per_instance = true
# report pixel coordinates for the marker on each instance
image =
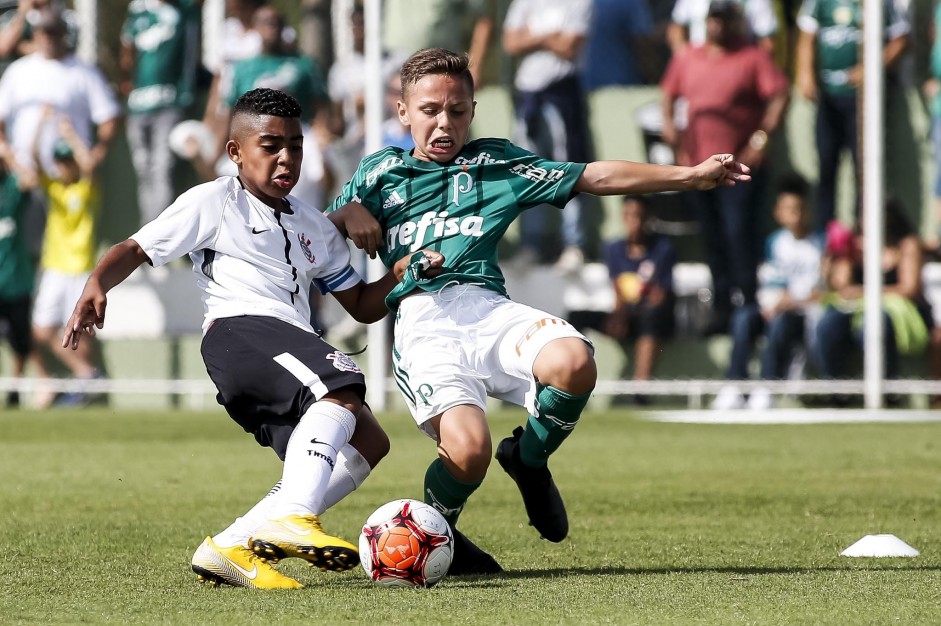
(285, 206)
(425, 165)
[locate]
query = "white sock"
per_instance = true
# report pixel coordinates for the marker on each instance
(310, 458)
(244, 527)
(350, 472)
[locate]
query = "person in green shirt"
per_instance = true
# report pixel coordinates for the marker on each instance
(159, 60)
(829, 71)
(458, 337)
(17, 268)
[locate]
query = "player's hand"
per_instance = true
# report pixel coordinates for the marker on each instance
(88, 315)
(428, 265)
(719, 170)
(359, 225)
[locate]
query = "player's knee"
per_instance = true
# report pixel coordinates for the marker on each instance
(346, 397)
(568, 365)
(467, 460)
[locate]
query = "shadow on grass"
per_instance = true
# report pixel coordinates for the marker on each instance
(740, 571)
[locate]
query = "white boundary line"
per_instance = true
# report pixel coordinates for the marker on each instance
(793, 416)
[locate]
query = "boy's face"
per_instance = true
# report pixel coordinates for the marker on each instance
(438, 109)
(633, 216)
(789, 211)
(67, 170)
(268, 151)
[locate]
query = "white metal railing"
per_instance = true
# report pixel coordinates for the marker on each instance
(693, 389)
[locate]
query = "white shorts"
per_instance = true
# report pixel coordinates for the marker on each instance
(56, 297)
(464, 343)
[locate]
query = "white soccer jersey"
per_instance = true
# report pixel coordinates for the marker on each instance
(247, 258)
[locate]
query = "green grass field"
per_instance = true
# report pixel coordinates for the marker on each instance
(671, 523)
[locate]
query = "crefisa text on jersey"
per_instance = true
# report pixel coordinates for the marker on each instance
(435, 225)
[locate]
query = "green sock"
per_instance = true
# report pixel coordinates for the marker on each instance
(445, 492)
(558, 413)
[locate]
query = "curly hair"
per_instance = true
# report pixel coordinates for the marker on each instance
(266, 101)
(430, 61)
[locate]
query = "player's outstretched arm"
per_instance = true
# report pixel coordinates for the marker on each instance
(609, 178)
(356, 223)
(116, 265)
(367, 302)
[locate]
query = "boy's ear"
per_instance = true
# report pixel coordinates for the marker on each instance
(403, 113)
(234, 151)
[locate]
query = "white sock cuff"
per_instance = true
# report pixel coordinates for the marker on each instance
(339, 414)
(354, 463)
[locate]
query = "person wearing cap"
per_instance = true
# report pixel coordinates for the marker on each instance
(69, 248)
(736, 99)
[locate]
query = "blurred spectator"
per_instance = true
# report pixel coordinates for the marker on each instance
(793, 255)
(17, 25)
(620, 48)
(641, 271)
(736, 99)
(54, 76)
(159, 61)
(551, 112)
(394, 132)
(906, 312)
(239, 41)
(278, 66)
(346, 84)
(932, 89)
(17, 269)
(829, 70)
(347, 76)
(459, 25)
(688, 23)
(69, 246)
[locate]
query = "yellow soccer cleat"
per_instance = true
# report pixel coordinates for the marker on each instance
(237, 566)
(301, 536)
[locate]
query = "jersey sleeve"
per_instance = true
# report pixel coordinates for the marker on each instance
(362, 186)
(537, 181)
(337, 274)
(191, 223)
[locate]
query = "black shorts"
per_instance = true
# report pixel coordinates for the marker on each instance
(268, 373)
(14, 318)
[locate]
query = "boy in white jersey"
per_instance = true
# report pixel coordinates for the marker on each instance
(458, 337)
(255, 251)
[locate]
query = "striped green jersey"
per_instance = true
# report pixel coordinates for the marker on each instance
(461, 208)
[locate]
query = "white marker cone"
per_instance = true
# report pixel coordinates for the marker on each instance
(880, 546)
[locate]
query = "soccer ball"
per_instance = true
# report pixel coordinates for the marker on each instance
(406, 543)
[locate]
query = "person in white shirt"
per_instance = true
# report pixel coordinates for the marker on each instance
(256, 249)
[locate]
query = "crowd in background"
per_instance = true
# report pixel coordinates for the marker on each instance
(727, 72)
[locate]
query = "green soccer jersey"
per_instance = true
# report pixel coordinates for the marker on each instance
(165, 39)
(16, 265)
(461, 208)
(838, 25)
(298, 76)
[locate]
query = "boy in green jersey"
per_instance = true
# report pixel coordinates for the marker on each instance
(458, 338)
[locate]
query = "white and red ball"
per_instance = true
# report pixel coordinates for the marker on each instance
(406, 543)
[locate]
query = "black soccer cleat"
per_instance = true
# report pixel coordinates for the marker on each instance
(541, 498)
(469, 560)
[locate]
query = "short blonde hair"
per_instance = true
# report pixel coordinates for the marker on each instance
(431, 61)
